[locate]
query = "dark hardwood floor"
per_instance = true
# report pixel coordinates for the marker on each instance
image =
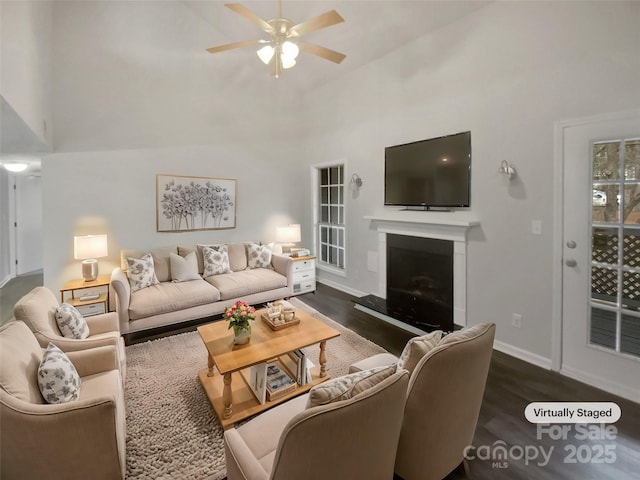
(511, 385)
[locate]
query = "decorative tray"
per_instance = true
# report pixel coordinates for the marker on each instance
(280, 326)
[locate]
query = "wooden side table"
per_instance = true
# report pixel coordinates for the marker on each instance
(90, 307)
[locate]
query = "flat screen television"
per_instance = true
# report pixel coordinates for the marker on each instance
(432, 173)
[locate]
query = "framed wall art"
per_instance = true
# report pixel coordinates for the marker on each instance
(195, 203)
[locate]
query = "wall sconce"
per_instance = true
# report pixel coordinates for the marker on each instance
(288, 236)
(88, 248)
(356, 181)
(508, 170)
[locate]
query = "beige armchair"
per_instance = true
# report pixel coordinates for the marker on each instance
(80, 439)
(37, 310)
(443, 402)
(351, 439)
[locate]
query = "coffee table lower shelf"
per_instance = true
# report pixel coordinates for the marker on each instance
(244, 402)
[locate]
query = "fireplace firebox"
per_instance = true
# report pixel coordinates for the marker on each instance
(420, 286)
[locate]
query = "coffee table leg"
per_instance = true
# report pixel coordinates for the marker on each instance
(323, 359)
(210, 372)
(226, 396)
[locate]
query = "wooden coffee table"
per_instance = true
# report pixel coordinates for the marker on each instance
(227, 390)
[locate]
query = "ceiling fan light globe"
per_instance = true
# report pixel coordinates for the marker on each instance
(265, 54)
(287, 62)
(290, 49)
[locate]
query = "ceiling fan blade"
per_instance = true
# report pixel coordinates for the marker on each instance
(322, 21)
(323, 52)
(230, 46)
(249, 15)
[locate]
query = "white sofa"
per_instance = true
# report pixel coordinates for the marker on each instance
(169, 302)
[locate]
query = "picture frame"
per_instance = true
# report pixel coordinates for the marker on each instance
(186, 204)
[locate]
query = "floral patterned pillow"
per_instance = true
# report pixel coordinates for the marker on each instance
(141, 272)
(58, 379)
(216, 260)
(259, 256)
(71, 322)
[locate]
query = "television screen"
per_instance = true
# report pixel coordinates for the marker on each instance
(429, 173)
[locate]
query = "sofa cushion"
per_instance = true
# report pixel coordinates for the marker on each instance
(259, 256)
(246, 282)
(58, 379)
(348, 386)
(71, 322)
(216, 260)
(416, 348)
(168, 297)
(141, 272)
(184, 269)
(20, 356)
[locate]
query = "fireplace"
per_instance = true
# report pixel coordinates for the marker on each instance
(419, 289)
(420, 281)
(421, 270)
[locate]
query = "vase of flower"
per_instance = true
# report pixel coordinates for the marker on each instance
(239, 316)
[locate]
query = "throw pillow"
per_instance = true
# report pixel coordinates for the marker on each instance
(259, 256)
(58, 379)
(184, 268)
(216, 260)
(71, 322)
(416, 348)
(141, 272)
(348, 386)
(465, 333)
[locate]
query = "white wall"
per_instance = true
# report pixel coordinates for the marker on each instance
(507, 73)
(113, 192)
(25, 73)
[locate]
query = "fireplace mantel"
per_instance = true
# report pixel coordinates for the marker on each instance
(452, 226)
(441, 225)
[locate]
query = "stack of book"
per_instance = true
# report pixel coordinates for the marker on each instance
(278, 382)
(303, 376)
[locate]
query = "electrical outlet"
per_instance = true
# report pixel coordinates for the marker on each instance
(516, 320)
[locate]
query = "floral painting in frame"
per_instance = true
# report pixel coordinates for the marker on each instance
(195, 203)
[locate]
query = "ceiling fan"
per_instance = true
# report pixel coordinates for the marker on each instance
(281, 50)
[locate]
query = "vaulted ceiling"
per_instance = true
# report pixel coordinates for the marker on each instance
(372, 29)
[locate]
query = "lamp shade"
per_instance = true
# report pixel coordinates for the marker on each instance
(288, 233)
(90, 246)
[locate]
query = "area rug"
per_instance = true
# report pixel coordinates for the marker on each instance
(172, 430)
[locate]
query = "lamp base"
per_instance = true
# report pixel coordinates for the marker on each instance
(90, 269)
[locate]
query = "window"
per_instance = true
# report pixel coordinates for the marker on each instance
(330, 215)
(615, 248)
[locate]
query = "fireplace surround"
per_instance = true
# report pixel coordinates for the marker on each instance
(422, 309)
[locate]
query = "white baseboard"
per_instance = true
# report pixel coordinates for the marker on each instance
(624, 391)
(342, 288)
(5, 280)
(524, 355)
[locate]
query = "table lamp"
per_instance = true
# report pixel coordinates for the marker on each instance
(88, 248)
(288, 236)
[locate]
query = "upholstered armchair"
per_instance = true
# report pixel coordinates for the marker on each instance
(351, 439)
(37, 310)
(80, 439)
(443, 402)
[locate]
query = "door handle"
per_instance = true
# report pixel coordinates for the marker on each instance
(570, 262)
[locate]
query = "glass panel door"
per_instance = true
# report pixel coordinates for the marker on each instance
(615, 246)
